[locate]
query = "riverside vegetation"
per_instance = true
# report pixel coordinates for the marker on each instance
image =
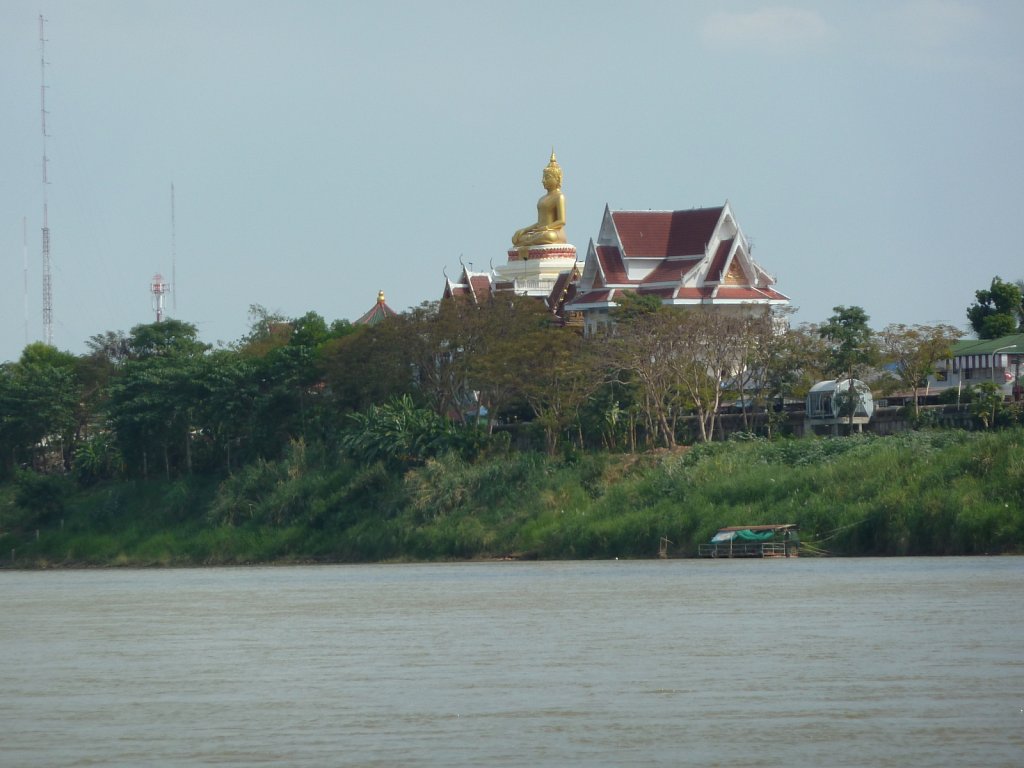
(919, 493)
(458, 430)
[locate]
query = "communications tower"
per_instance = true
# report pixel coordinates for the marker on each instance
(47, 277)
(159, 289)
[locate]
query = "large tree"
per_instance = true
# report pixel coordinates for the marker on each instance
(680, 361)
(912, 351)
(998, 311)
(508, 326)
(558, 372)
(712, 352)
(39, 400)
(641, 349)
(852, 350)
(153, 398)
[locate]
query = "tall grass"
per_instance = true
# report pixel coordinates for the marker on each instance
(912, 494)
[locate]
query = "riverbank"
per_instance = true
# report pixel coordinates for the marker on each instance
(922, 493)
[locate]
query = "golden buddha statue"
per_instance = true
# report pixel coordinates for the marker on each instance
(550, 224)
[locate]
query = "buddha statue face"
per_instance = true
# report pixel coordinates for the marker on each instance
(552, 178)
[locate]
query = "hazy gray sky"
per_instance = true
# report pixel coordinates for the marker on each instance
(323, 150)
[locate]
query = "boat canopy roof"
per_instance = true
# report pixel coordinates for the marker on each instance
(752, 532)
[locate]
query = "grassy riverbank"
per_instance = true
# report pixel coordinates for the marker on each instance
(921, 493)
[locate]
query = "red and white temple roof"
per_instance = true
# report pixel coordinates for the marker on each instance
(694, 257)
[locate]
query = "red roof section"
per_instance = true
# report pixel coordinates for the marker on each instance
(481, 286)
(564, 290)
(747, 294)
(664, 293)
(377, 313)
(611, 264)
(715, 273)
(595, 297)
(694, 293)
(659, 234)
(672, 270)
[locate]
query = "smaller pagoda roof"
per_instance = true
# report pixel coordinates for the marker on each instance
(377, 313)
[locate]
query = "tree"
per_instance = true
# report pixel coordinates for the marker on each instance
(369, 366)
(111, 347)
(779, 362)
(267, 330)
(509, 326)
(680, 360)
(168, 338)
(440, 340)
(398, 433)
(852, 349)
(912, 351)
(998, 311)
(154, 396)
(713, 348)
(641, 349)
(225, 413)
(39, 398)
(986, 403)
(558, 373)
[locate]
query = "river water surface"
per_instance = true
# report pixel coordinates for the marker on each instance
(841, 662)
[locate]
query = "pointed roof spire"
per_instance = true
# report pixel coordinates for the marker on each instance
(377, 313)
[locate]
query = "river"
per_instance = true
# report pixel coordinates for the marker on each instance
(807, 663)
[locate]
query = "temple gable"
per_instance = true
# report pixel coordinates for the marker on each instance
(698, 257)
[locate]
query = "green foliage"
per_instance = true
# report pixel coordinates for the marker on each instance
(39, 400)
(929, 492)
(913, 351)
(41, 498)
(98, 458)
(401, 434)
(169, 338)
(987, 404)
(629, 306)
(852, 346)
(998, 311)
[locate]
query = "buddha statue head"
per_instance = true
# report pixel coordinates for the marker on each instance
(552, 173)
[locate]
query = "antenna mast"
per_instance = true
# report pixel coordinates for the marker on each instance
(174, 257)
(47, 277)
(24, 254)
(159, 289)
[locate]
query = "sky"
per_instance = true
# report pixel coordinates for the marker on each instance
(322, 150)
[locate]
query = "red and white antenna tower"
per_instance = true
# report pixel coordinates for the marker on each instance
(159, 289)
(47, 278)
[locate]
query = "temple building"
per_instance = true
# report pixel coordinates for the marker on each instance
(694, 258)
(540, 264)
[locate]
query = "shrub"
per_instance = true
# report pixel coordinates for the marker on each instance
(41, 498)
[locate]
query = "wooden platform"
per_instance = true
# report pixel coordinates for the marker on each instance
(763, 549)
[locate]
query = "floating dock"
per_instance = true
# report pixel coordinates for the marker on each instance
(777, 540)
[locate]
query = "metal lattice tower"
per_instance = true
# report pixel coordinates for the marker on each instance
(24, 254)
(174, 256)
(47, 277)
(159, 289)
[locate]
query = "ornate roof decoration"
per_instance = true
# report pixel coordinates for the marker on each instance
(695, 257)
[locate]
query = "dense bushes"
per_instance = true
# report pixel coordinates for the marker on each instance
(916, 493)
